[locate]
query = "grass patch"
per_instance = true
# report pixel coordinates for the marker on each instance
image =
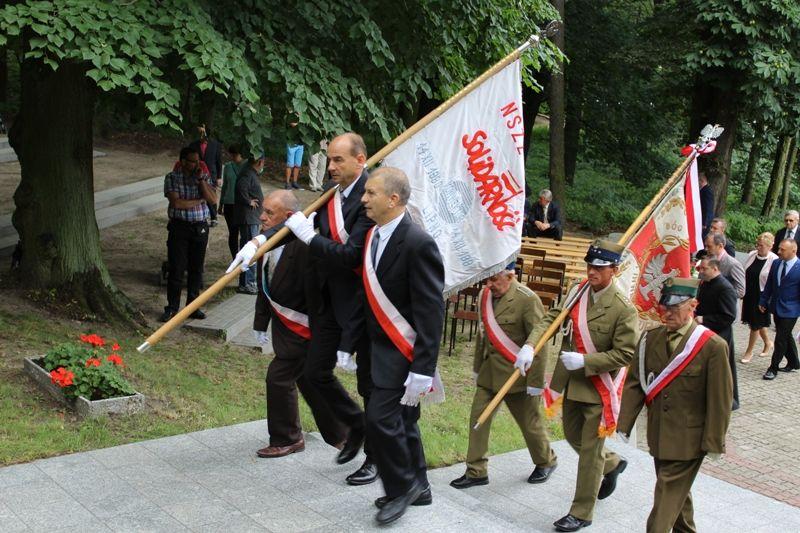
(193, 382)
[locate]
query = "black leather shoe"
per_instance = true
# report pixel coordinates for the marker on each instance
(396, 507)
(199, 315)
(610, 480)
(769, 375)
(787, 368)
(168, 314)
(426, 498)
(364, 475)
(465, 482)
(541, 474)
(354, 441)
(571, 523)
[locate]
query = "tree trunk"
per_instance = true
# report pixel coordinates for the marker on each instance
(756, 148)
(531, 102)
(54, 214)
(776, 176)
(572, 129)
(3, 73)
(556, 100)
(787, 175)
(714, 105)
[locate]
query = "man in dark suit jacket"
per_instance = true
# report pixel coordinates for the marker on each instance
(781, 296)
(284, 278)
(337, 315)
(544, 219)
(790, 219)
(718, 225)
(716, 310)
(706, 203)
(406, 265)
(210, 151)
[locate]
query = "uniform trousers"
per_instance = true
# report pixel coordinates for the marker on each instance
(394, 435)
(581, 421)
(526, 412)
(784, 344)
(186, 250)
(672, 501)
(320, 363)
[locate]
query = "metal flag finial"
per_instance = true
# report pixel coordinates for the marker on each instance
(552, 28)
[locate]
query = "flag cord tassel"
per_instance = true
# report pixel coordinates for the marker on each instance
(709, 132)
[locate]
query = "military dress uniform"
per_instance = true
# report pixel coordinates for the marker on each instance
(613, 327)
(516, 312)
(686, 420)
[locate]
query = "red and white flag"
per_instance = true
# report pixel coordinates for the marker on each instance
(663, 247)
(467, 179)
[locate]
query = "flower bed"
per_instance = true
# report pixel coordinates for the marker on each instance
(86, 376)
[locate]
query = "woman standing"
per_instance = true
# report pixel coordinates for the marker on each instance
(756, 271)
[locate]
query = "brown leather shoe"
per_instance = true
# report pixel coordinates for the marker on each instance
(281, 451)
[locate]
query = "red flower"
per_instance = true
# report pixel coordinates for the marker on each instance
(93, 361)
(116, 359)
(61, 377)
(93, 339)
(115, 347)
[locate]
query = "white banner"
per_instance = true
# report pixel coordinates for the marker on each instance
(468, 179)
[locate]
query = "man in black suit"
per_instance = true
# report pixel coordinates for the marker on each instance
(718, 225)
(210, 151)
(716, 310)
(285, 286)
(790, 219)
(544, 219)
(706, 203)
(337, 318)
(405, 316)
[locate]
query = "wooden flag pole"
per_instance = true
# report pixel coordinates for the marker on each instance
(206, 295)
(708, 134)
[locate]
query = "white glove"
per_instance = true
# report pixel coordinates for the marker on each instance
(572, 360)
(345, 361)
(246, 254)
(302, 227)
(416, 386)
(623, 437)
(534, 391)
(261, 337)
(524, 359)
(714, 456)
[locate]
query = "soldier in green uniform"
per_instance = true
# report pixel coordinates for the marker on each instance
(513, 310)
(680, 370)
(604, 331)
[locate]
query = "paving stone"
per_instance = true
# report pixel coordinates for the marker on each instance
(9, 522)
(45, 515)
(199, 512)
(122, 456)
(148, 521)
(233, 524)
(14, 475)
(290, 518)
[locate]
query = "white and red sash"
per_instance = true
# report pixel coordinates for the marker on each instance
(296, 321)
(499, 339)
(336, 218)
(694, 344)
(391, 321)
(609, 389)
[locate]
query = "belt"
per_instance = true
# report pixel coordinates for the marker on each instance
(187, 223)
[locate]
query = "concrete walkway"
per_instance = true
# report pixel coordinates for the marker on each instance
(212, 481)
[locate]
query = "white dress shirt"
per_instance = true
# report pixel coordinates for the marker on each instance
(348, 190)
(385, 233)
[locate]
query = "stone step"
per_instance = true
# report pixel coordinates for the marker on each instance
(229, 318)
(4, 142)
(246, 338)
(8, 155)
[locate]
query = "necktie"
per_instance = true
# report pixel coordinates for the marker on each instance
(790, 234)
(673, 338)
(376, 239)
(783, 272)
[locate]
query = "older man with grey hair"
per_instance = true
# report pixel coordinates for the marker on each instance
(790, 231)
(729, 266)
(544, 219)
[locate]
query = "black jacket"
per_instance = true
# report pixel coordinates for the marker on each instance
(553, 215)
(248, 187)
(411, 274)
(717, 305)
(781, 234)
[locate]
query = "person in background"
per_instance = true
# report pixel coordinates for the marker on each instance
(317, 166)
(210, 151)
(545, 218)
(781, 297)
(247, 211)
(227, 202)
(757, 266)
(729, 266)
(718, 225)
(294, 151)
(706, 202)
(789, 231)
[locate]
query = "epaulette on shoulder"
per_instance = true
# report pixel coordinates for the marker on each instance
(525, 290)
(622, 298)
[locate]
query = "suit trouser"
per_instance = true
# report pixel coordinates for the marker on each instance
(186, 250)
(319, 365)
(581, 421)
(284, 377)
(526, 412)
(672, 501)
(553, 233)
(396, 441)
(784, 344)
